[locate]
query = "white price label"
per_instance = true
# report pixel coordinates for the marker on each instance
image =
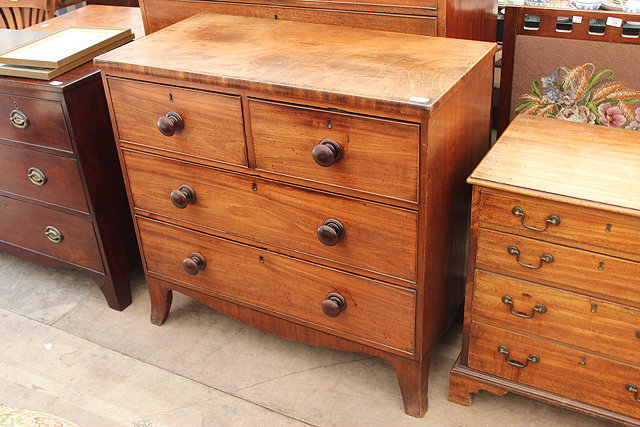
(420, 99)
(577, 20)
(614, 22)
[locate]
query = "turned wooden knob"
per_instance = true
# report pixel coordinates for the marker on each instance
(334, 304)
(169, 124)
(194, 263)
(327, 152)
(183, 196)
(331, 232)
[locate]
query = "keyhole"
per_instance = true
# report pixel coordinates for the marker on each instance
(583, 360)
(601, 266)
(607, 229)
(275, 17)
(170, 97)
(261, 260)
(15, 104)
(254, 187)
(594, 308)
(329, 124)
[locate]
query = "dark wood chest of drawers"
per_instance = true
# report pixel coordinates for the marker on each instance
(313, 188)
(553, 307)
(62, 196)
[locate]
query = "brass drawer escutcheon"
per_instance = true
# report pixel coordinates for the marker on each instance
(532, 358)
(539, 308)
(552, 220)
(546, 258)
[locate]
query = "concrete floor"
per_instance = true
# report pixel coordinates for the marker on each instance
(65, 352)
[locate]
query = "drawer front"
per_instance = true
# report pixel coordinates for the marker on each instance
(44, 177)
(36, 121)
(376, 237)
(162, 13)
(574, 269)
(577, 320)
(23, 224)
(376, 156)
(617, 233)
(568, 372)
(375, 312)
(212, 123)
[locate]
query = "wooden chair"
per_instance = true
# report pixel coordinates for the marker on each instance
(19, 14)
(571, 64)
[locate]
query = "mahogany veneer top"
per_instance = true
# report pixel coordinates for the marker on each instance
(313, 61)
(87, 16)
(597, 165)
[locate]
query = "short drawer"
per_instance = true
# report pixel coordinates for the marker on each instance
(376, 156)
(543, 219)
(58, 235)
(376, 313)
(40, 176)
(563, 370)
(212, 126)
(376, 237)
(576, 320)
(34, 121)
(574, 269)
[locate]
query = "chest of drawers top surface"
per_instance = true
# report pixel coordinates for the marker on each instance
(348, 66)
(594, 166)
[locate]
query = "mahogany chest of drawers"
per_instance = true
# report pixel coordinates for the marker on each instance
(467, 19)
(312, 187)
(62, 196)
(553, 291)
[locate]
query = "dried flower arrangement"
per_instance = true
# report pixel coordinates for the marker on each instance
(583, 95)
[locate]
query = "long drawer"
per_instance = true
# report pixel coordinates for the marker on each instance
(574, 269)
(212, 126)
(34, 121)
(558, 369)
(578, 320)
(376, 313)
(615, 233)
(376, 155)
(62, 236)
(40, 176)
(376, 237)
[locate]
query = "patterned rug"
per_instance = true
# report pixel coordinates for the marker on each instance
(12, 417)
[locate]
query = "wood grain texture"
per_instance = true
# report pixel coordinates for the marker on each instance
(570, 318)
(23, 225)
(599, 381)
(213, 126)
(572, 269)
(287, 286)
(378, 156)
(590, 229)
(474, 20)
(368, 68)
(571, 160)
(46, 125)
(63, 186)
(377, 237)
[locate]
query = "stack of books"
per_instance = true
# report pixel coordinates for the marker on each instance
(48, 55)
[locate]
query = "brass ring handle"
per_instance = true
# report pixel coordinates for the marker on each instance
(532, 358)
(18, 119)
(552, 220)
(36, 176)
(632, 388)
(170, 123)
(539, 308)
(546, 258)
(53, 234)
